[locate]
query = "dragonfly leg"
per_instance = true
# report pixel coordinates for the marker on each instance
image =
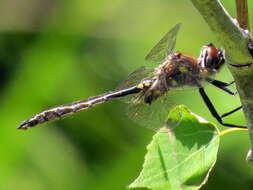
(214, 113)
(222, 85)
(231, 112)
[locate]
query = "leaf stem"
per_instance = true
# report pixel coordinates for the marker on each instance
(224, 132)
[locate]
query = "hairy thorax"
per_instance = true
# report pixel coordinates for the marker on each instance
(177, 71)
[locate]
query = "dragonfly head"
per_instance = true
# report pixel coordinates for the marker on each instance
(211, 58)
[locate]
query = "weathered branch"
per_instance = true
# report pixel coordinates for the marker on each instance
(235, 42)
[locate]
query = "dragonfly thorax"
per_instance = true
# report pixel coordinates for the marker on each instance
(178, 71)
(181, 70)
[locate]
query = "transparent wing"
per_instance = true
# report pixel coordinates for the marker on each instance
(151, 116)
(165, 46)
(135, 77)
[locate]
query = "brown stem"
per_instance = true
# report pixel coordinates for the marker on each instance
(242, 13)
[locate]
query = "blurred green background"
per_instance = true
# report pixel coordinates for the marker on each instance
(57, 52)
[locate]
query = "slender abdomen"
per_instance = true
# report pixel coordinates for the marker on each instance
(61, 111)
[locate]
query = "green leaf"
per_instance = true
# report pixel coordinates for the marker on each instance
(181, 155)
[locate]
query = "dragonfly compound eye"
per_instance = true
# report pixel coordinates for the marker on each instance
(211, 57)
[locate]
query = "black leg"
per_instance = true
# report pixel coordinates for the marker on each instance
(233, 111)
(222, 85)
(214, 112)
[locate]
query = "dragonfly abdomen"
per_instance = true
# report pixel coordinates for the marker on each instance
(61, 111)
(52, 114)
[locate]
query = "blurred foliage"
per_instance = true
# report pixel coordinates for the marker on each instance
(76, 49)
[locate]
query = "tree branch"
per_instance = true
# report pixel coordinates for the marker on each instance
(235, 42)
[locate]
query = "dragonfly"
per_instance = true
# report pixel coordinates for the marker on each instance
(148, 86)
